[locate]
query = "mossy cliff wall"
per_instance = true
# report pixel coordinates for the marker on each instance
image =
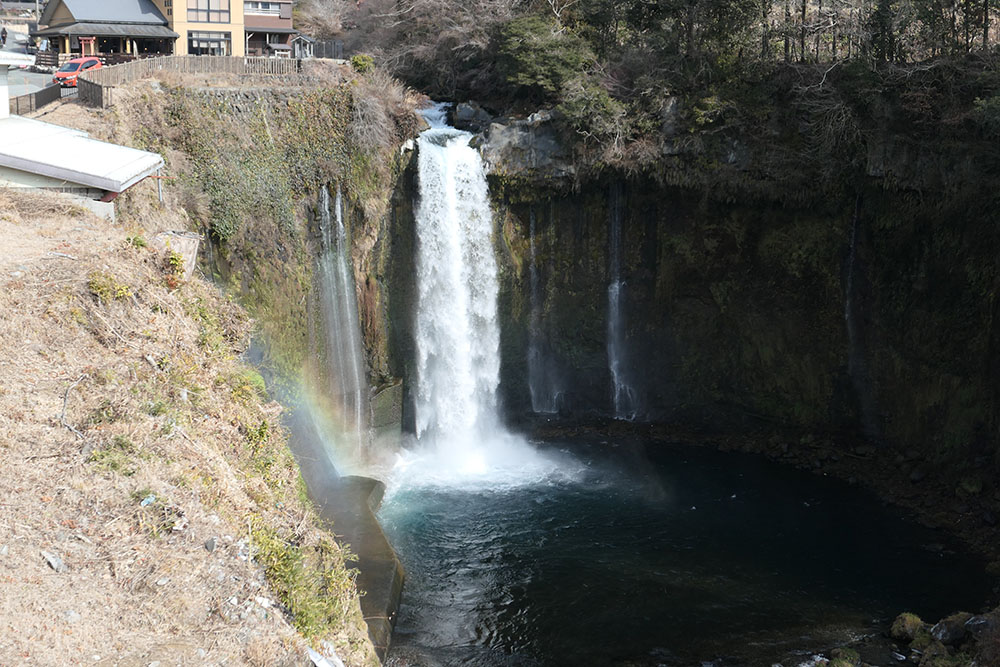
(864, 305)
(249, 164)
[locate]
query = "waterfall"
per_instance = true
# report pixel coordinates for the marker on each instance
(623, 394)
(458, 429)
(543, 384)
(340, 313)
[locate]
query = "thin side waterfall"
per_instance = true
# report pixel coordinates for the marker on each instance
(458, 429)
(340, 311)
(623, 395)
(543, 384)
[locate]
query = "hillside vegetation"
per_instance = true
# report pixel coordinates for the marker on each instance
(635, 83)
(151, 507)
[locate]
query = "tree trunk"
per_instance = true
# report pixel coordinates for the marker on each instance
(802, 33)
(765, 8)
(819, 31)
(787, 27)
(833, 27)
(689, 30)
(986, 25)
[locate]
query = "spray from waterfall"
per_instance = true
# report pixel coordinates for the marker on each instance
(348, 380)
(458, 429)
(624, 398)
(543, 383)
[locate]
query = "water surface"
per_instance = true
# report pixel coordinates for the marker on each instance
(659, 554)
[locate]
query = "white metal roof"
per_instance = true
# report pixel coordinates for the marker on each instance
(70, 155)
(12, 59)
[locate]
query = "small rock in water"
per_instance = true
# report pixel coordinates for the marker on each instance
(71, 616)
(980, 624)
(950, 630)
(54, 561)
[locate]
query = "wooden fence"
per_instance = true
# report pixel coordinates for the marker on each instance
(96, 86)
(23, 104)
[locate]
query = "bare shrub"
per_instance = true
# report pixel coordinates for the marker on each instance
(321, 18)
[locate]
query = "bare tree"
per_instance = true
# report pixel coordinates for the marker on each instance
(558, 8)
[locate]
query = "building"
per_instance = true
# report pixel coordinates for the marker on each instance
(205, 27)
(268, 27)
(107, 27)
(136, 28)
(36, 155)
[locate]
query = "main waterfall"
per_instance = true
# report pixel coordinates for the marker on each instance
(458, 428)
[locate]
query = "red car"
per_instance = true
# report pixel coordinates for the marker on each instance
(66, 75)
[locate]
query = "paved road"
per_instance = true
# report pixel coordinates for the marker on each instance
(22, 81)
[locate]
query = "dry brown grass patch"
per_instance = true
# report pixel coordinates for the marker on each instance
(124, 452)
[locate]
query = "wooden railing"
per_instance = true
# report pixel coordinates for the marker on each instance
(96, 86)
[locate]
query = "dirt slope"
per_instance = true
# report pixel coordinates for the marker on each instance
(149, 509)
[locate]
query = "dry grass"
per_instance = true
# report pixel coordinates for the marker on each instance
(129, 438)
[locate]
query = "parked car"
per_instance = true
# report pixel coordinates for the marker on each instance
(66, 75)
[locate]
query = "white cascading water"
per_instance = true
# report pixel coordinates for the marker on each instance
(542, 382)
(460, 438)
(340, 311)
(623, 394)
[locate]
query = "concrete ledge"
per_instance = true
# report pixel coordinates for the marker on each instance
(350, 504)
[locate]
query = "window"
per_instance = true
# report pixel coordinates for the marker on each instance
(258, 7)
(210, 43)
(208, 11)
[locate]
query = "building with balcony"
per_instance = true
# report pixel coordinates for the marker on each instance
(206, 27)
(268, 27)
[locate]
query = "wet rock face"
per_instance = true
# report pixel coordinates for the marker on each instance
(526, 147)
(736, 309)
(471, 117)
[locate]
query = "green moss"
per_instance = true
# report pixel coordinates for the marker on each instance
(106, 287)
(847, 657)
(119, 456)
(248, 384)
(313, 584)
(906, 627)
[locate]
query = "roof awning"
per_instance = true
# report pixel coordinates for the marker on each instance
(70, 155)
(270, 31)
(109, 30)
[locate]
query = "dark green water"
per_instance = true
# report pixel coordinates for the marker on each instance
(659, 555)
